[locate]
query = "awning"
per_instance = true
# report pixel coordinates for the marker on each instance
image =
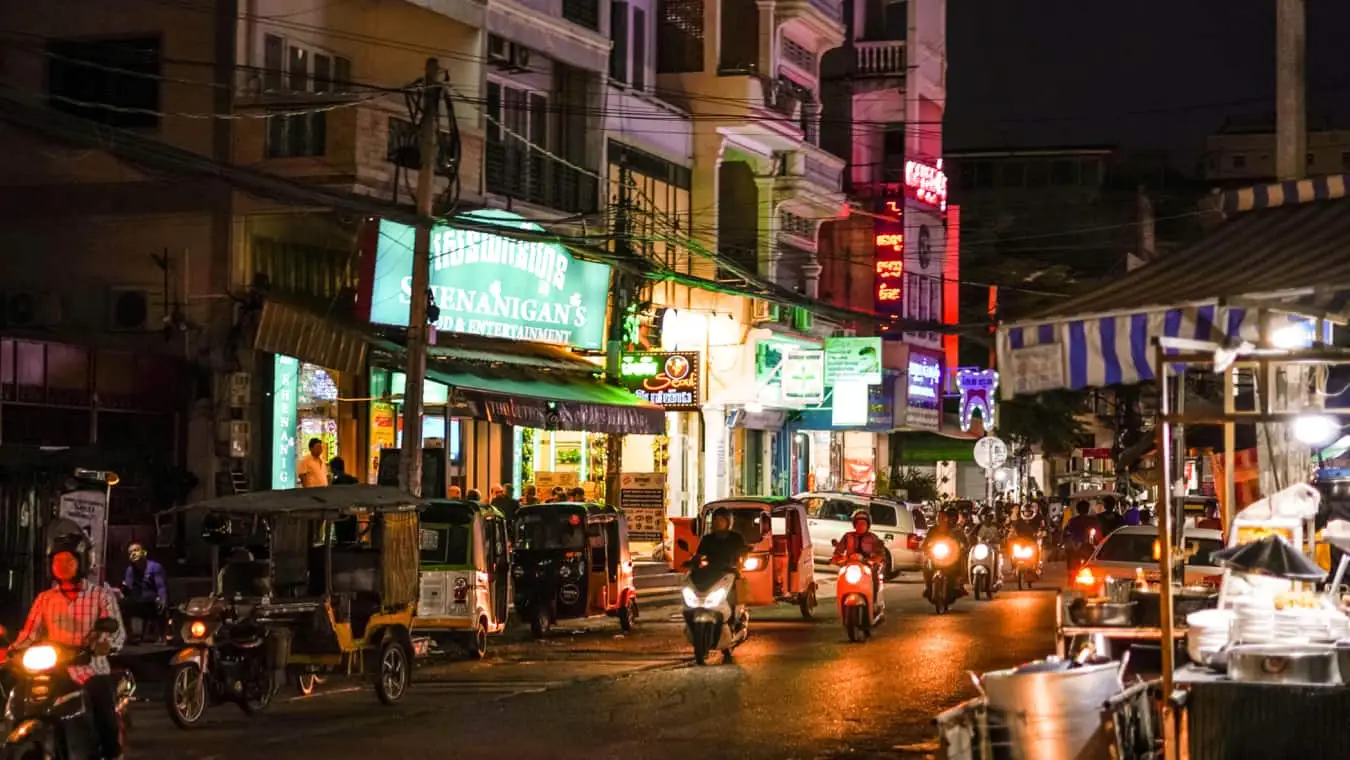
(295, 331)
(1288, 255)
(555, 403)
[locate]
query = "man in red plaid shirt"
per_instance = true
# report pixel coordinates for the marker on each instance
(65, 614)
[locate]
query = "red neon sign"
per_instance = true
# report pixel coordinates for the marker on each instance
(927, 184)
(890, 269)
(894, 241)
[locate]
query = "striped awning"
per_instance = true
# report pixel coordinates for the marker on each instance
(1284, 249)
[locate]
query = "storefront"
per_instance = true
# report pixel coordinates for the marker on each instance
(305, 407)
(846, 436)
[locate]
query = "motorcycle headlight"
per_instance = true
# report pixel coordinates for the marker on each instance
(980, 552)
(197, 629)
(716, 597)
(853, 574)
(690, 598)
(39, 659)
(1023, 551)
(751, 564)
(941, 550)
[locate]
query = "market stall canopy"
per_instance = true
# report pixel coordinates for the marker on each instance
(1273, 556)
(1282, 248)
(555, 402)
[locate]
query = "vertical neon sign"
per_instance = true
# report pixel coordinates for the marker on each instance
(285, 382)
(890, 259)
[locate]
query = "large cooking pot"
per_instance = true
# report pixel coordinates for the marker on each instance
(1052, 710)
(1310, 664)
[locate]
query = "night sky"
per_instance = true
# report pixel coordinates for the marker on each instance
(1140, 74)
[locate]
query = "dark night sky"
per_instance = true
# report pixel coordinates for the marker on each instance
(1144, 74)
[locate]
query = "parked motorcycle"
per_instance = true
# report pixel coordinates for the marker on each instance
(982, 567)
(940, 557)
(859, 608)
(45, 710)
(708, 615)
(1027, 561)
(224, 659)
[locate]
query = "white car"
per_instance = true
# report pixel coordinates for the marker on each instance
(1134, 548)
(829, 518)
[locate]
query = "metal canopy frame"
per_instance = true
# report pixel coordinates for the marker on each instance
(1266, 363)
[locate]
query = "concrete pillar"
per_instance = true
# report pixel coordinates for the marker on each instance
(767, 229)
(708, 148)
(768, 39)
(1291, 139)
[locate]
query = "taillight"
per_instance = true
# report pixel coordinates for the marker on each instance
(913, 543)
(1085, 578)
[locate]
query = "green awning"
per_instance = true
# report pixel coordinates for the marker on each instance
(927, 448)
(555, 402)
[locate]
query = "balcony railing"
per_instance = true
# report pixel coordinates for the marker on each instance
(882, 59)
(526, 175)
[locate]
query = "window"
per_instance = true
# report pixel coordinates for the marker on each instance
(296, 135)
(1310, 159)
(118, 74)
(583, 13)
(799, 57)
(679, 36)
(883, 515)
(1239, 161)
(1063, 173)
(639, 49)
(289, 68)
(661, 195)
(618, 34)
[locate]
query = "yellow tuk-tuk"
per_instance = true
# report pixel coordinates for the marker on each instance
(466, 574)
(779, 567)
(337, 577)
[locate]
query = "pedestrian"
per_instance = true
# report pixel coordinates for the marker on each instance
(558, 495)
(577, 494)
(504, 503)
(145, 589)
(1211, 520)
(1132, 514)
(1109, 518)
(313, 472)
(339, 470)
(473, 496)
(454, 492)
(529, 495)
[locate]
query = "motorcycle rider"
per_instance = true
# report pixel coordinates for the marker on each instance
(947, 527)
(1080, 535)
(65, 614)
(724, 548)
(863, 541)
(1028, 523)
(991, 533)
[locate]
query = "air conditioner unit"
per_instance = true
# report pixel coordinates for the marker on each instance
(520, 57)
(128, 309)
(31, 309)
(499, 51)
(240, 389)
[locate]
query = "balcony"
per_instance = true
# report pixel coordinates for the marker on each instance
(882, 59)
(823, 19)
(521, 174)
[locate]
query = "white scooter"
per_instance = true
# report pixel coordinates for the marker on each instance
(984, 568)
(708, 614)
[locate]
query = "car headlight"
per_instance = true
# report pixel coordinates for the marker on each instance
(752, 564)
(980, 552)
(853, 574)
(39, 659)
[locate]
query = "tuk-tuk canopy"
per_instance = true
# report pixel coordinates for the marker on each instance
(457, 511)
(317, 502)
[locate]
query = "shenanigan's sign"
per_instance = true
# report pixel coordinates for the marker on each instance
(494, 286)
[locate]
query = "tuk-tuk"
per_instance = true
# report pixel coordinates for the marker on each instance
(335, 572)
(570, 560)
(779, 567)
(466, 574)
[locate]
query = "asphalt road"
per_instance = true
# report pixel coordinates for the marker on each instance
(796, 689)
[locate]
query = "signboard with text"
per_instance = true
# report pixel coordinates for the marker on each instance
(285, 382)
(642, 496)
(494, 286)
(852, 360)
(923, 391)
(890, 259)
(803, 376)
(668, 379)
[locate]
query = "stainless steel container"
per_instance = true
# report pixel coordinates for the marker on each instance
(1312, 664)
(1053, 713)
(1087, 613)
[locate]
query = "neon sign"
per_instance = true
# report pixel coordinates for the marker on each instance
(890, 261)
(978, 389)
(927, 184)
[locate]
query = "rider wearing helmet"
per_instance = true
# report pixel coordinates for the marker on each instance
(1029, 522)
(948, 526)
(65, 614)
(990, 531)
(724, 549)
(863, 541)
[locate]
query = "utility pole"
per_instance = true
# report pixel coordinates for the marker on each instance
(618, 311)
(410, 471)
(1291, 118)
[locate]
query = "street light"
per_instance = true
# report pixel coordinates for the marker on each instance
(1316, 430)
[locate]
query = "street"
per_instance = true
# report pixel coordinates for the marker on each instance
(795, 690)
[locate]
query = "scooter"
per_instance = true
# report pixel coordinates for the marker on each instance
(46, 708)
(858, 608)
(1027, 561)
(940, 557)
(708, 615)
(223, 659)
(983, 568)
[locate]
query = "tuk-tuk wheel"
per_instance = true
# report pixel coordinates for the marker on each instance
(808, 604)
(478, 641)
(395, 670)
(628, 614)
(539, 621)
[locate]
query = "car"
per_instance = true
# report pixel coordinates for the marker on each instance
(829, 519)
(1132, 549)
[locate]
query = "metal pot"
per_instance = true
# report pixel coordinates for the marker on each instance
(1102, 613)
(1277, 663)
(1053, 710)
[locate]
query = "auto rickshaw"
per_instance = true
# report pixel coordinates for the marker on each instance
(336, 577)
(779, 567)
(570, 560)
(465, 574)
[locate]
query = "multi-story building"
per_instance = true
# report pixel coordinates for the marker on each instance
(1242, 153)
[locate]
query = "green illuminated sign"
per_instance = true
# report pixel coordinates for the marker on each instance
(668, 379)
(285, 382)
(494, 286)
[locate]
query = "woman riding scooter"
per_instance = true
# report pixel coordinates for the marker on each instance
(862, 541)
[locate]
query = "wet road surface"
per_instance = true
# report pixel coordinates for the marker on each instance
(796, 689)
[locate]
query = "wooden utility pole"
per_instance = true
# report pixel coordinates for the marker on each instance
(1291, 119)
(618, 311)
(410, 471)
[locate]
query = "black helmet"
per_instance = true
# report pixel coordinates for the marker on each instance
(67, 536)
(721, 512)
(952, 513)
(861, 514)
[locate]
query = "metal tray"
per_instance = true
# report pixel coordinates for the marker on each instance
(1088, 615)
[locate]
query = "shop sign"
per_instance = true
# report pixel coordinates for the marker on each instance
(977, 388)
(889, 248)
(89, 509)
(803, 380)
(642, 496)
(852, 360)
(926, 184)
(668, 379)
(923, 397)
(494, 286)
(285, 382)
(1035, 369)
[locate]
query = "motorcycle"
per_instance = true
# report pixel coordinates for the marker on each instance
(224, 659)
(46, 707)
(858, 608)
(1079, 552)
(983, 568)
(940, 557)
(708, 613)
(1027, 561)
